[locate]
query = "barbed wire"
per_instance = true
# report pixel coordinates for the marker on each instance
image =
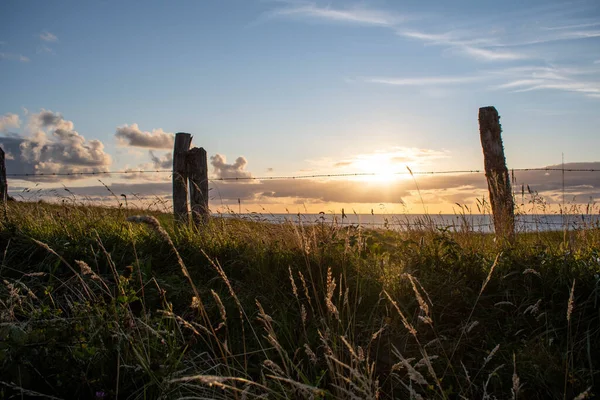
(90, 173)
(307, 176)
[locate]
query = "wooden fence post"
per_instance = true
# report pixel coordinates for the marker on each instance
(180, 178)
(3, 184)
(496, 173)
(197, 166)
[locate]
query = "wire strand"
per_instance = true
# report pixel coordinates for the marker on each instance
(283, 177)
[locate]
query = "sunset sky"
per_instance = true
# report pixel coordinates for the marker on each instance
(273, 88)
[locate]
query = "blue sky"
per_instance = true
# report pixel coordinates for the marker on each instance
(298, 86)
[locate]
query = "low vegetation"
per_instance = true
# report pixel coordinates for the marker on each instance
(96, 303)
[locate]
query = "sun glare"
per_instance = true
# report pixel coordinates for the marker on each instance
(381, 165)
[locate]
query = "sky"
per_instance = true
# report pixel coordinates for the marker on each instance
(272, 88)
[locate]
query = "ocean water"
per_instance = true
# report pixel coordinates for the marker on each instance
(451, 222)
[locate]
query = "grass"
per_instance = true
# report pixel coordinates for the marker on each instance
(96, 304)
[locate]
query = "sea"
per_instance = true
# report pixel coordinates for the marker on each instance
(449, 222)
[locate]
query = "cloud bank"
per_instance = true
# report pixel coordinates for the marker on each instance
(222, 170)
(9, 120)
(132, 135)
(55, 147)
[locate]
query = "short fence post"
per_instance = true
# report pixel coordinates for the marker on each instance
(197, 166)
(496, 173)
(180, 178)
(3, 184)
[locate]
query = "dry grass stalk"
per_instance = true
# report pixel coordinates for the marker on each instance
(412, 373)
(311, 354)
(584, 395)
(306, 390)
(486, 396)
(471, 326)
(532, 271)
(516, 386)
(376, 334)
(571, 302)
(305, 287)
(271, 365)
(533, 309)
(88, 293)
(349, 347)
(331, 285)
(294, 288)
(405, 322)
(489, 276)
(156, 226)
(490, 356)
(219, 381)
(220, 305)
(422, 304)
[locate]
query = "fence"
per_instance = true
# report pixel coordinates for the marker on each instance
(190, 177)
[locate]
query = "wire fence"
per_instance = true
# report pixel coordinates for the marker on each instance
(392, 221)
(308, 176)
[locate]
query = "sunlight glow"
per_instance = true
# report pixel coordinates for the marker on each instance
(389, 166)
(381, 164)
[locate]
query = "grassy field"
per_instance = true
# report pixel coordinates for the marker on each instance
(95, 306)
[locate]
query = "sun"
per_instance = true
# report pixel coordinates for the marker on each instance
(381, 165)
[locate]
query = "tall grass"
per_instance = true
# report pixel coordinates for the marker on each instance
(101, 303)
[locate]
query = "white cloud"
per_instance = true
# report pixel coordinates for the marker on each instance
(468, 43)
(578, 26)
(223, 170)
(131, 135)
(582, 80)
(14, 57)
(526, 78)
(53, 146)
(163, 162)
(426, 81)
(356, 15)
(44, 49)
(451, 38)
(48, 37)
(9, 120)
(492, 55)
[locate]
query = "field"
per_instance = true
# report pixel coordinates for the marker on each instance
(97, 304)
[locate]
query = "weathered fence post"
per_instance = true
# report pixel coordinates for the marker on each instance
(497, 173)
(3, 184)
(197, 166)
(180, 178)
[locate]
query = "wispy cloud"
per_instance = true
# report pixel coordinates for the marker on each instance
(577, 26)
(48, 37)
(451, 38)
(426, 81)
(537, 38)
(14, 57)
(44, 49)
(585, 81)
(591, 89)
(467, 43)
(355, 15)
(492, 55)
